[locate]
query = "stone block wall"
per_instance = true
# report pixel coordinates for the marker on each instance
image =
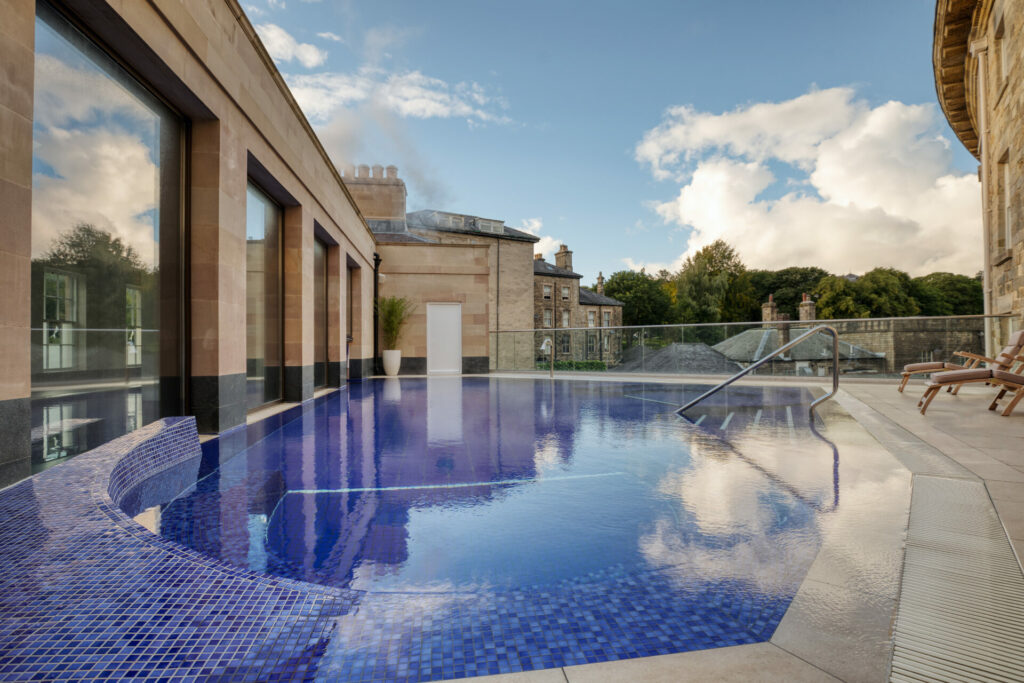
(432, 273)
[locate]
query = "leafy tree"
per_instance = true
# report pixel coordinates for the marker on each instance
(645, 300)
(714, 286)
(86, 244)
(887, 293)
(762, 283)
(950, 294)
(837, 297)
(105, 266)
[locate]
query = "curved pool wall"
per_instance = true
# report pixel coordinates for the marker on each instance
(87, 591)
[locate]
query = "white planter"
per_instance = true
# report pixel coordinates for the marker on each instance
(392, 361)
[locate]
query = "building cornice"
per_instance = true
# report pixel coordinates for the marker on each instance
(953, 64)
(250, 33)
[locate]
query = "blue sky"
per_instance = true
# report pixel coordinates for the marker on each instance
(532, 112)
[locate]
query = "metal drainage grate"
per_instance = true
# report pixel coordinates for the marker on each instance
(961, 609)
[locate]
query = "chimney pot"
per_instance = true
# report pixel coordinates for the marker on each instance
(769, 310)
(364, 171)
(563, 257)
(350, 171)
(807, 309)
(378, 171)
(538, 257)
(392, 172)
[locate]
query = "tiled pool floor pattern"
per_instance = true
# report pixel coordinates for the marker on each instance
(86, 592)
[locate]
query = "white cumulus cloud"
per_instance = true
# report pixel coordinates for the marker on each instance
(283, 47)
(411, 94)
(548, 245)
(861, 186)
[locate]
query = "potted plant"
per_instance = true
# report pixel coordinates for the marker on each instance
(393, 312)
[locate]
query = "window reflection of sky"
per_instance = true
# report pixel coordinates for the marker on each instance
(96, 148)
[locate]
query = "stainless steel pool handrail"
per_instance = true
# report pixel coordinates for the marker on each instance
(785, 347)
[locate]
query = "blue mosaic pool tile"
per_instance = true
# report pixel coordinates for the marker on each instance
(87, 593)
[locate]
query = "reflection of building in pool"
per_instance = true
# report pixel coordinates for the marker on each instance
(345, 503)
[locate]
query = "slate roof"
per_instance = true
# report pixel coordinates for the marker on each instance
(591, 298)
(692, 358)
(551, 270)
(752, 345)
(415, 221)
(401, 237)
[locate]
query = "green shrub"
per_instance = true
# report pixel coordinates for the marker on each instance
(393, 312)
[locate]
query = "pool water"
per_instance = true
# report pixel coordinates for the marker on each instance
(526, 522)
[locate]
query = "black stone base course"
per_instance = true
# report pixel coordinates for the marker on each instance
(218, 402)
(476, 365)
(359, 368)
(298, 383)
(15, 440)
(336, 373)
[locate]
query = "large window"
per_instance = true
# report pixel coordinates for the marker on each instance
(264, 331)
(106, 241)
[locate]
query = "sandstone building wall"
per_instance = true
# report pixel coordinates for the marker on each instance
(204, 59)
(978, 58)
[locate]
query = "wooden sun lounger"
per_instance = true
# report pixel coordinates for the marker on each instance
(972, 360)
(1009, 379)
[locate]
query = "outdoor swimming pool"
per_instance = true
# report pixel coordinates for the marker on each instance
(520, 523)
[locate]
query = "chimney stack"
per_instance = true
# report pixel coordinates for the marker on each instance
(364, 171)
(563, 257)
(392, 172)
(378, 171)
(769, 310)
(600, 283)
(807, 309)
(538, 257)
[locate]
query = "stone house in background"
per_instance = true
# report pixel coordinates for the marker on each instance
(433, 257)
(560, 303)
(978, 59)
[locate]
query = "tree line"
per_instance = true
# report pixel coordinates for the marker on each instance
(714, 286)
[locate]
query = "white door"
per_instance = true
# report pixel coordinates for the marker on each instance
(444, 339)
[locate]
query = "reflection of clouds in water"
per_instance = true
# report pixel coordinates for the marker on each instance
(770, 563)
(547, 455)
(722, 495)
(729, 499)
(102, 172)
